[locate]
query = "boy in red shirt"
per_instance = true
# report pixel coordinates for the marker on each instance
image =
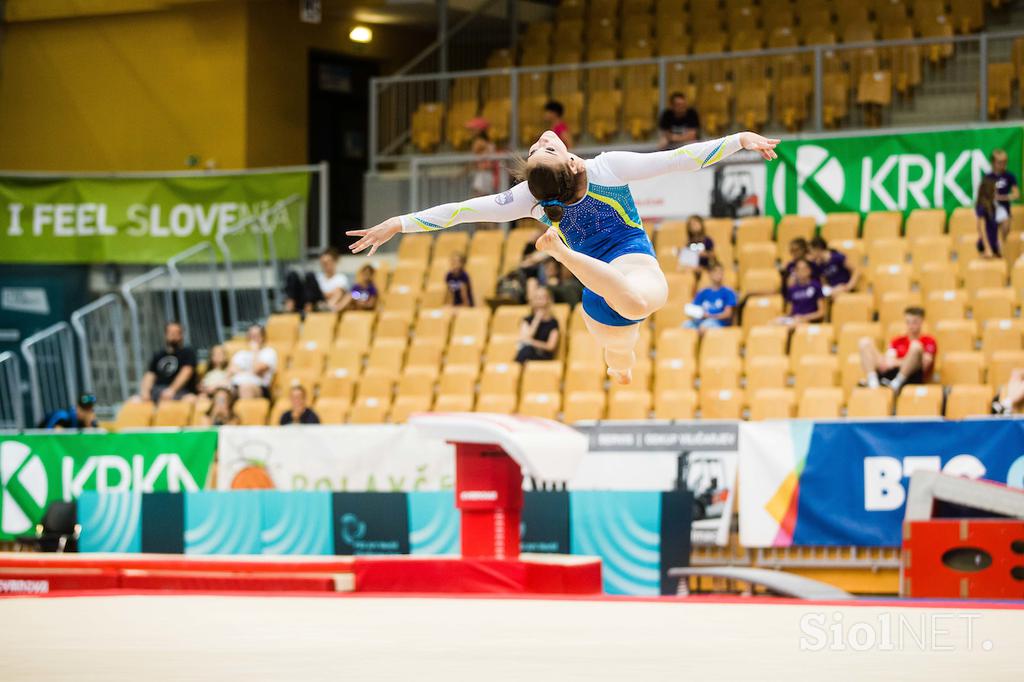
(908, 360)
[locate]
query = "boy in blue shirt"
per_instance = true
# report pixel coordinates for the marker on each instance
(717, 301)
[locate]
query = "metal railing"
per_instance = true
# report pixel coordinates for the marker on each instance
(50, 358)
(102, 352)
(150, 298)
(12, 409)
(194, 275)
(923, 87)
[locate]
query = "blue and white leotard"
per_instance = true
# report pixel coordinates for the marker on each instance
(604, 224)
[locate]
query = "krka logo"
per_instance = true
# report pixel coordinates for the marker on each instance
(24, 486)
(818, 174)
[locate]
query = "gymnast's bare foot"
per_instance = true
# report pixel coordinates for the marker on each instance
(621, 377)
(551, 244)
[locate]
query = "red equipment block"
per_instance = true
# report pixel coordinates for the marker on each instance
(489, 494)
(963, 558)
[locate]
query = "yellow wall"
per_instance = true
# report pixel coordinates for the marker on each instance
(130, 92)
(225, 80)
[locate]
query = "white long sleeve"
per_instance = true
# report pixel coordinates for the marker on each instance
(629, 166)
(511, 205)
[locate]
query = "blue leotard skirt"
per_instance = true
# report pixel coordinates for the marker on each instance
(607, 249)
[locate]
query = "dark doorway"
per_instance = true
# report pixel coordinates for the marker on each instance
(339, 131)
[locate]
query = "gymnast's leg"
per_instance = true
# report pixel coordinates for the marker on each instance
(633, 284)
(619, 345)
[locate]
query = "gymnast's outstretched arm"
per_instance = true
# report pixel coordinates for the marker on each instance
(511, 205)
(629, 166)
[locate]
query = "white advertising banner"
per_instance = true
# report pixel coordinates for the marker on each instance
(678, 195)
(384, 458)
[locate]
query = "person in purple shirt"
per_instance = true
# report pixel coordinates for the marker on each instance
(697, 240)
(806, 302)
(363, 295)
(836, 272)
(988, 225)
(1007, 190)
(460, 291)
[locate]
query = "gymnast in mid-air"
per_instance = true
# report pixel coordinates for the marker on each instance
(594, 227)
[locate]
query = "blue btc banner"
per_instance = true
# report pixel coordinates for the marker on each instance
(845, 483)
(433, 523)
(111, 522)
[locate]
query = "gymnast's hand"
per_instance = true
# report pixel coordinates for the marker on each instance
(374, 236)
(756, 143)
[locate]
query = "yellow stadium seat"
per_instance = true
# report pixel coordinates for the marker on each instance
(882, 225)
(583, 406)
(968, 400)
(308, 379)
(724, 404)
(820, 403)
(919, 401)
(851, 334)
(772, 403)
(252, 411)
(176, 413)
(955, 336)
(841, 227)
(985, 274)
(718, 373)
(507, 319)
(629, 404)
(675, 404)
(585, 377)
(308, 355)
(761, 282)
(886, 251)
(458, 379)
(338, 383)
(766, 371)
(393, 324)
(356, 326)
(934, 277)
(816, 371)
(454, 402)
(386, 354)
(318, 328)
(810, 339)
(282, 329)
(500, 377)
(925, 222)
(427, 126)
(674, 373)
(405, 405)
(761, 310)
(754, 229)
(433, 323)
(280, 406)
(720, 342)
(792, 227)
(1000, 89)
(963, 222)
(332, 410)
(946, 305)
(498, 403)
(870, 403)
(425, 353)
(1002, 335)
(931, 250)
(378, 384)
(962, 367)
(501, 348)
(767, 340)
(370, 410)
(994, 303)
(852, 307)
(542, 377)
(890, 278)
(1002, 363)
(893, 303)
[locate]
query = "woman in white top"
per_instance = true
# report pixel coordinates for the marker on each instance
(325, 288)
(594, 227)
(252, 369)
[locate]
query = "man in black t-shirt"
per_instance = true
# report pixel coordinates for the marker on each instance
(679, 124)
(171, 374)
(538, 335)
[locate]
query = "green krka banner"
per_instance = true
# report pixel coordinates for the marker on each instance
(143, 220)
(886, 172)
(39, 469)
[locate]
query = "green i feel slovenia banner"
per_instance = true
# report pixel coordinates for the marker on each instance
(886, 172)
(142, 219)
(36, 470)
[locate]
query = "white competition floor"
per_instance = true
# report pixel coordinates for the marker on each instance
(241, 638)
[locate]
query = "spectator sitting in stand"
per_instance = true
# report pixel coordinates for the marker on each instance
(363, 295)
(553, 113)
(530, 265)
(222, 409)
(538, 334)
(700, 250)
(460, 290)
(82, 416)
(988, 223)
(252, 369)
(216, 375)
(714, 305)
(326, 288)
(300, 413)
(678, 123)
(838, 275)
(1006, 190)
(484, 171)
(909, 359)
(805, 301)
(561, 284)
(1011, 398)
(172, 369)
